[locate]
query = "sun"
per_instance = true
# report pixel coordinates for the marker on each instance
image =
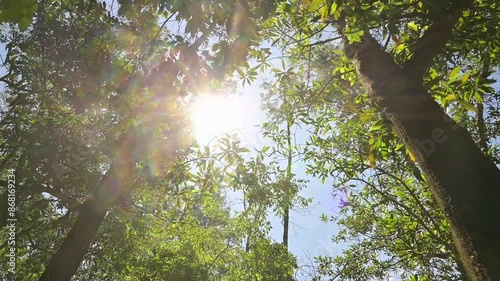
(213, 115)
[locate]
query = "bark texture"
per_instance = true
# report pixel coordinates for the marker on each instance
(66, 260)
(465, 183)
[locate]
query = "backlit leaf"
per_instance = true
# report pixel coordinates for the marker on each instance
(454, 74)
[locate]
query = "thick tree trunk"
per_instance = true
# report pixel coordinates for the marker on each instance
(68, 257)
(465, 183)
(66, 260)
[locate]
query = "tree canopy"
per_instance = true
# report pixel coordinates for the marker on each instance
(394, 101)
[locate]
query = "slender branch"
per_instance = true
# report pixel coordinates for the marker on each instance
(412, 195)
(483, 140)
(324, 41)
(406, 209)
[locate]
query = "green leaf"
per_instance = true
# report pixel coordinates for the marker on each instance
(315, 4)
(399, 146)
(265, 149)
(466, 76)
(355, 36)
(242, 150)
(333, 8)
(324, 13)
(454, 74)
(352, 107)
(467, 105)
(240, 72)
(376, 126)
(371, 159)
(478, 97)
(18, 11)
(413, 26)
(399, 48)
(287, 8)
(324, 218)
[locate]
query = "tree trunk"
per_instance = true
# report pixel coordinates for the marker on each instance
(66, 260)
(465, 183)
(289, 156)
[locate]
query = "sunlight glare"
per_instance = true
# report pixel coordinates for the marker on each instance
(216, 115)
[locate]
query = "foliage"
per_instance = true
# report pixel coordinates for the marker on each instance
(19, 12)
(85, 90)
(91, 85)
(391, 221)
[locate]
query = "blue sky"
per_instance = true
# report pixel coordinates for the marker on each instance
(308, 235)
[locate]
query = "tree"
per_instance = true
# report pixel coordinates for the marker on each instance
(462, 178)
(281, 105)
(85, 89)
(389, 222)
(186, 230)
(88, 124)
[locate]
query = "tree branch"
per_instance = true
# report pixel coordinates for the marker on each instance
(483, 76)
(435, 38)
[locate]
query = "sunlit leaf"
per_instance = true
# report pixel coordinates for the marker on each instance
(413, 26)
(371, 159)
(454, 74)
(467, 105)
(466, 76)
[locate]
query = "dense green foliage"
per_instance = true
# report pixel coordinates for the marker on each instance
(391, 221)
(85, 90)
(93, 87)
